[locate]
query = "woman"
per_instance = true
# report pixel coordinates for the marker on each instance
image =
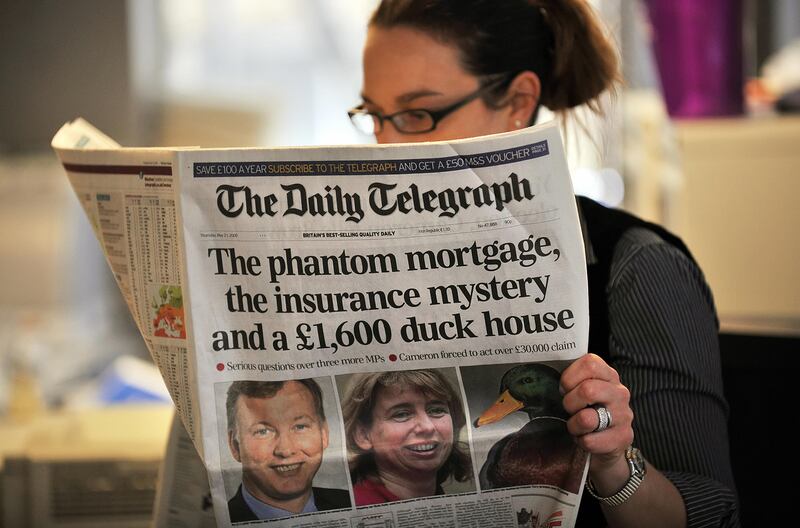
(402, 431)
(447, 69)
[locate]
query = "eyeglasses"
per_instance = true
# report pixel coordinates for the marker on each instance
(415, 121)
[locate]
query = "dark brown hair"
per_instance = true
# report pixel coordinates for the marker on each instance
(561, 41)
(359, 402)
(267, 389)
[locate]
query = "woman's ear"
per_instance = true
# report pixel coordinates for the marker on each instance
(362, 438)
(523, 97)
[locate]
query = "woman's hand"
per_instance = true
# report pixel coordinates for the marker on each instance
(590, 381)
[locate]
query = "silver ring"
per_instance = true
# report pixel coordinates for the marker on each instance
(603, 419)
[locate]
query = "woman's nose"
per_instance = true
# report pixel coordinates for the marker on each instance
(389, 134)
(424, 424)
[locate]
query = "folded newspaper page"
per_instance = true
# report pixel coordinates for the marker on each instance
(356, 336)
(183, 498)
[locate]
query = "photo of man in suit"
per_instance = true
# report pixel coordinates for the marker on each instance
(278, 432)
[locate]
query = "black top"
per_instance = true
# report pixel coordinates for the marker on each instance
(652, 318)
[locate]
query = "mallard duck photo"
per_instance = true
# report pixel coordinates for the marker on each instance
(542, 452)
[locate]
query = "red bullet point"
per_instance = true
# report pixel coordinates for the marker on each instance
(220, 367)
(392, 357)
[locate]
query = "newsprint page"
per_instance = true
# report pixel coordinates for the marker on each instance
(356, 336)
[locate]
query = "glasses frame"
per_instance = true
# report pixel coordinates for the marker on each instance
(435, 115)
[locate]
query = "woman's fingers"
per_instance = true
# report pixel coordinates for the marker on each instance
(594, 391)
(586, 420)
(611, 441)
(590, 383)
(589, 366)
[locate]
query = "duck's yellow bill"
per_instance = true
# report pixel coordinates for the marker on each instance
(502, 407)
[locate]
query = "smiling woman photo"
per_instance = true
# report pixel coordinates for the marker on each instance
(402, 435)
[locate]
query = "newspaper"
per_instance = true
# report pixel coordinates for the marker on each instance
(183, 498)
(358, 335)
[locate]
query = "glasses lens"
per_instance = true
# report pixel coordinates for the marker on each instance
(365, 122)
(413, 121)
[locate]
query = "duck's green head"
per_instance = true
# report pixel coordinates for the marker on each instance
(532, 388)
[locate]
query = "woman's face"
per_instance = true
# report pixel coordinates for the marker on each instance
(411, 432)
(405, 69)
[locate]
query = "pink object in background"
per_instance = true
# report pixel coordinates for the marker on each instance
(698, 46)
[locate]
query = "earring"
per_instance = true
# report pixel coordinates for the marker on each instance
(518, 123)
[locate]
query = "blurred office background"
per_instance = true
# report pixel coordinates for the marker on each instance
(703, 138)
